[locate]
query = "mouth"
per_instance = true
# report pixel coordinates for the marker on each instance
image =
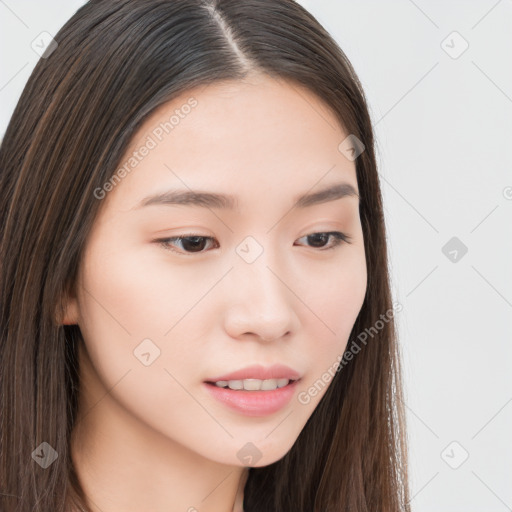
(252, 385)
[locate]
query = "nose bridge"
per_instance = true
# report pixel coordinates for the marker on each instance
(262, 301)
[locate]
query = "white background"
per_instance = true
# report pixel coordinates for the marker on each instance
(444, 133)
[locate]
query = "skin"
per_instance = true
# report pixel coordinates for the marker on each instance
(150, 437)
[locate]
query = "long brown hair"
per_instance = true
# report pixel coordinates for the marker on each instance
(114, 64)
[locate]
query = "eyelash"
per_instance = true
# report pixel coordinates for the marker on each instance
(339, 238)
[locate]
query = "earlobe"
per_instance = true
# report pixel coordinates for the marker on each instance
(67, 310)
(70, 316)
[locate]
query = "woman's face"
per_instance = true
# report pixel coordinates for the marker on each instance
(257, 283)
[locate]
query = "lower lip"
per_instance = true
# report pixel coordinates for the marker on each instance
(253, 403)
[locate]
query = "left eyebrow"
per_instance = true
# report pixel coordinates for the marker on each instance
(214, 200)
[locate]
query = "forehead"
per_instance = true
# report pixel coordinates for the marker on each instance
(248, 136)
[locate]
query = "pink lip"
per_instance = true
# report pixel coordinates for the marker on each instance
(253, 403)
(277, 371)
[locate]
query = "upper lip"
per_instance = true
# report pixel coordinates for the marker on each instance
(277, 371)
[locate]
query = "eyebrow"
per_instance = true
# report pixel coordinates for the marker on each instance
(224, 201)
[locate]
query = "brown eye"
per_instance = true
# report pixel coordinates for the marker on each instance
(189, 243)
(319, 240)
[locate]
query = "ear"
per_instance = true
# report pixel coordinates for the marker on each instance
(67, 311)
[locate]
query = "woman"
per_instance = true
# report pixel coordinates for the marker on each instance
(196, 312)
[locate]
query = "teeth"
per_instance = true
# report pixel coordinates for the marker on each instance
(253, 384)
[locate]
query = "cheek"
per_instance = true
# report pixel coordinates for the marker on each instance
(126, 308)
(131, 296)
(335, 302)
(335, 293)
(137, 293)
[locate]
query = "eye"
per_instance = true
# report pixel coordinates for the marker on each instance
(320, 238)
(192, 243)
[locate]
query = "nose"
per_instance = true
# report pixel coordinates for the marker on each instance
(260, 303)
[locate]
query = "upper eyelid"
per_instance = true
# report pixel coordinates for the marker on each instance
(192, 235)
